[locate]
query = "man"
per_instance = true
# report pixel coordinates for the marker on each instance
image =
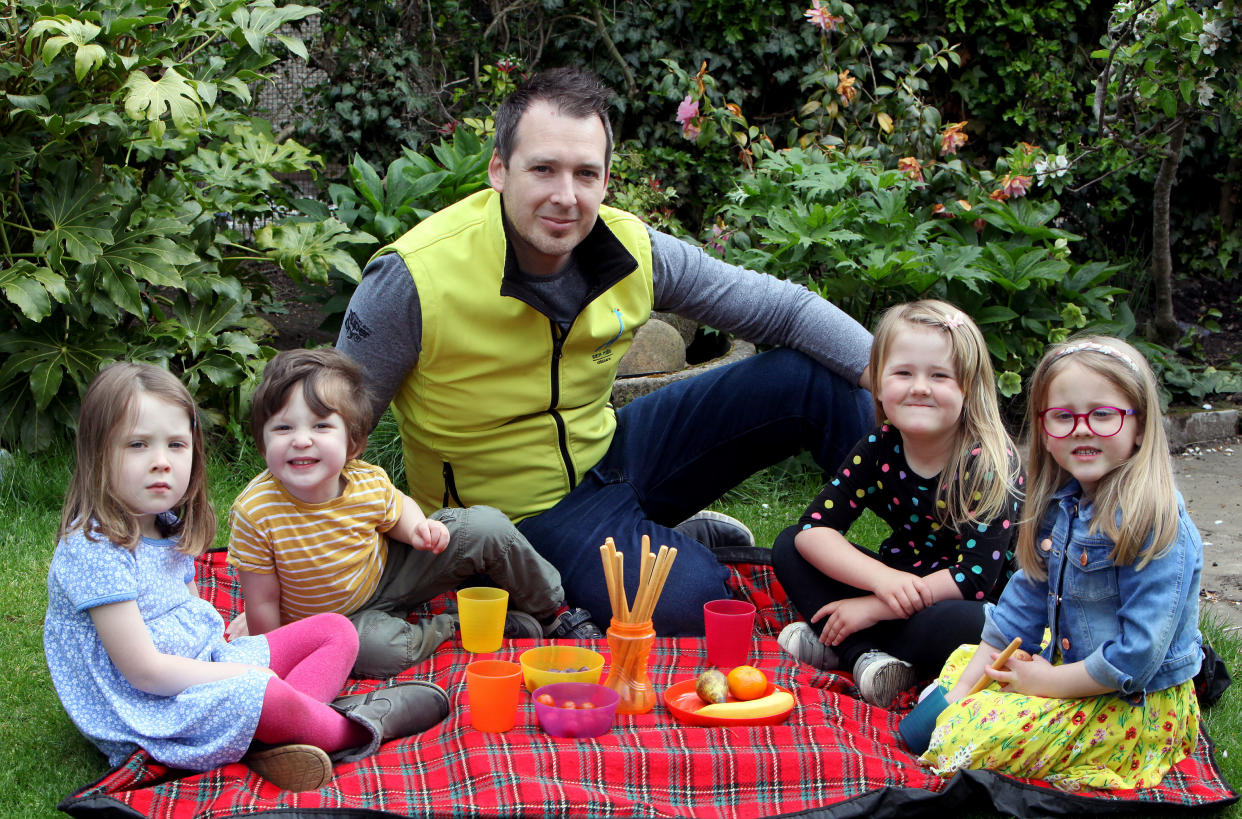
(495, 326)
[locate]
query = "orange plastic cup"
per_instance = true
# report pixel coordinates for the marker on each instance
(494, 687)
(482, 612)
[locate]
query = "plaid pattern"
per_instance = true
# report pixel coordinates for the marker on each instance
(834, 748)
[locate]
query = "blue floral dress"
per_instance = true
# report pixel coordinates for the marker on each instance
(205, 725)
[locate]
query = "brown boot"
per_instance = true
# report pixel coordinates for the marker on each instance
(292, 767)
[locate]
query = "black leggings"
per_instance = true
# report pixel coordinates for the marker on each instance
(925, 639)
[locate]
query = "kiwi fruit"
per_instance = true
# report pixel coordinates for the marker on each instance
(712, 686)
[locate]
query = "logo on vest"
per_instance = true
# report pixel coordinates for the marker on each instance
(603, 353)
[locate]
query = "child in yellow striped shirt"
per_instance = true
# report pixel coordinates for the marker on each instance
(320, 530)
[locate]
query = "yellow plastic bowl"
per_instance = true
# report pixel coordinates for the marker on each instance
(560, 663)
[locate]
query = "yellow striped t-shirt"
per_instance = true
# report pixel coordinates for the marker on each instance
(327, 556)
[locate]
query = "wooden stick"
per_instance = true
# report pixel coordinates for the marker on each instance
(663, 564)
(645, 576)
(609, 580)
(1002, 658)
(623, 614)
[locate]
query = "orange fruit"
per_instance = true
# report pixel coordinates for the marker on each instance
(747, 682)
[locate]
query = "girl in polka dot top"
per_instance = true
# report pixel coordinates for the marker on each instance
(941, 471)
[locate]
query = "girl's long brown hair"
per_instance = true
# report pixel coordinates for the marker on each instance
(1142, 487)
(91, 504)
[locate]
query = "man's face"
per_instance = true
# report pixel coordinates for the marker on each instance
(553, 185)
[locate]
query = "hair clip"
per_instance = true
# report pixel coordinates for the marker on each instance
(1096, 347)
(954, 321)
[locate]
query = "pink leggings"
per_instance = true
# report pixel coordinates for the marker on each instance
(312, 659)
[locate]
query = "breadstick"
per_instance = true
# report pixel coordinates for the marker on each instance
(1000, 661)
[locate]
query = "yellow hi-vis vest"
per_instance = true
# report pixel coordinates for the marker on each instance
(502, 409)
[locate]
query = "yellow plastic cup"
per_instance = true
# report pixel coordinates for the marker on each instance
(482, 611)
(494, 687)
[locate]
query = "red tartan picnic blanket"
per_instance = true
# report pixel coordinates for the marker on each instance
(835, 756)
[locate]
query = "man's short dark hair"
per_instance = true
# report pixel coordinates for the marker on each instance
(574, 92)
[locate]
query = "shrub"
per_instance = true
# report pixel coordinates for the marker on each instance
(130, 177)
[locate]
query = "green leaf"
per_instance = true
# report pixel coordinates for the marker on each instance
(35, 103)
(32, 289)
(45, 378)
(312, 250)
(80, 212)
(171, 95)
(204, 319)
(145, 256)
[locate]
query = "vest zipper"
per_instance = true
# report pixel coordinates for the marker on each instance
(558, 342)
(450, 488)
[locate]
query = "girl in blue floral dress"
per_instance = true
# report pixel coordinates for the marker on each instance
(1110, 566)
(138, 659)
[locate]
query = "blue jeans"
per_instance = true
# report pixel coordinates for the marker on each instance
(678, 450)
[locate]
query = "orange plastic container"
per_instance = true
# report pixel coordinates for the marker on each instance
(630, 645)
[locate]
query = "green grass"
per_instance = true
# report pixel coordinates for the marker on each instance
(42, 756)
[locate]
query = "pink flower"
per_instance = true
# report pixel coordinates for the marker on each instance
(911, 167)
(448, 128)
(505, 66)
(818, 15)
(953, 138)
(1015, 186)
(687, 113)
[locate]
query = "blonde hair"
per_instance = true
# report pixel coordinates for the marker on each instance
(107, 413)
(982, 449)
(1141, 487)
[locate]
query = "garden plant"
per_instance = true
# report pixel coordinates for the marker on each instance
(1050, 167)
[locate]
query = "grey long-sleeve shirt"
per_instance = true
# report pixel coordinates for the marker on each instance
(383, 325)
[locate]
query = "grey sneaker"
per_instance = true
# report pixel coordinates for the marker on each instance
(802, 643)
(717, 531)
(880, 677)
(521, 626)
(573, 624)
(388, 713)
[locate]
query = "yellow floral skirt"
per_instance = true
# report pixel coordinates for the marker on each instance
(1094, 742)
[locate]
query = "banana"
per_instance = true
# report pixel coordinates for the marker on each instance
(775, 703)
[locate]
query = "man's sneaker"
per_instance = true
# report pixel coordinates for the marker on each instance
(573, 624)
(802, 643)
(521, 626)
(880, 677)
(717, 531)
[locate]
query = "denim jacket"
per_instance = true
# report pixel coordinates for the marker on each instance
(1136, 630)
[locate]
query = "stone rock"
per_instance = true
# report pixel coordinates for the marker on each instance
(1184, 429)
(625, 390)
(686, 326)
(658, 348)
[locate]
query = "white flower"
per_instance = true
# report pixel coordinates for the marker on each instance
(1214, 33)
(1051, 168)
(1205, 91)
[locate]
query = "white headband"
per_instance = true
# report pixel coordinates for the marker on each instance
(1098, 348)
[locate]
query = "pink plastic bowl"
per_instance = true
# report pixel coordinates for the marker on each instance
(577, 722)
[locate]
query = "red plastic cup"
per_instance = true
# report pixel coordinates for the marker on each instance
(728, 625)
(494, 687)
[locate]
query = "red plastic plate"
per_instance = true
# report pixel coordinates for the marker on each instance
(683, 703)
